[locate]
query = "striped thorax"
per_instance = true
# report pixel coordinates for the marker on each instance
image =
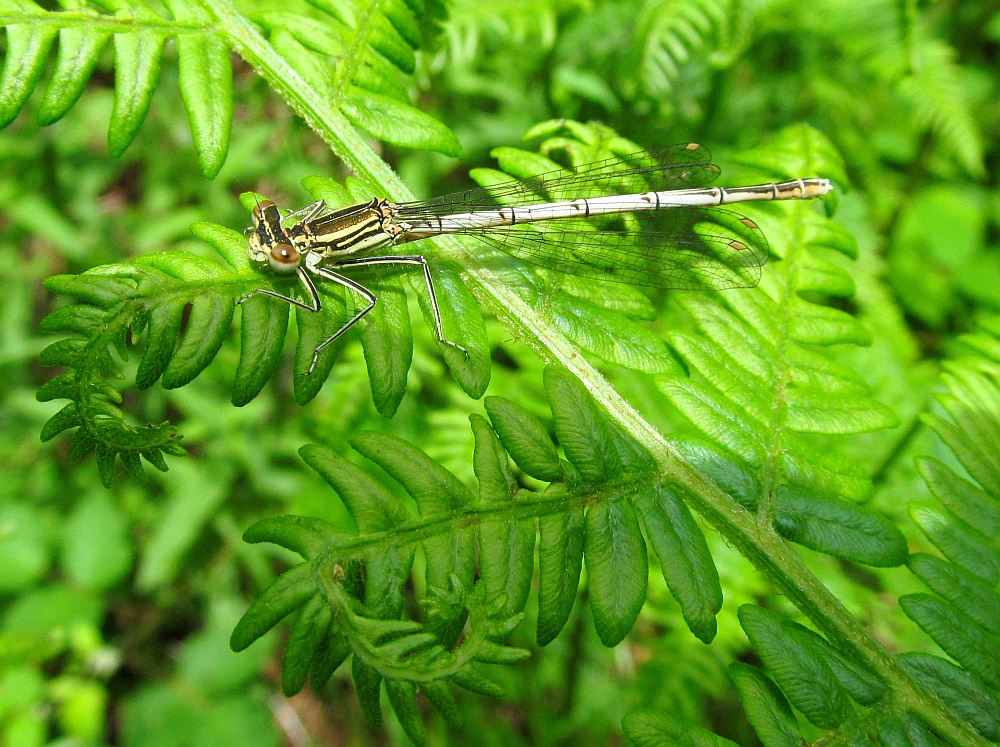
(335, 235)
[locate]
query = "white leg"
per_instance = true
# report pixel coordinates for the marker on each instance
(315, 306)
(412, 259)
(357, 288)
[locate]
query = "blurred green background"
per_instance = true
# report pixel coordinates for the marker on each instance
(116, 606)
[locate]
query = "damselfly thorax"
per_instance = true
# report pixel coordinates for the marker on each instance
(645, 219)
(336, 234)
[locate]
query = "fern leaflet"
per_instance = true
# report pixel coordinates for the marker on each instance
(848, 702)
(356, 58)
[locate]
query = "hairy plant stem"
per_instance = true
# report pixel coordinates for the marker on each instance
(762, 545)
(63, 19)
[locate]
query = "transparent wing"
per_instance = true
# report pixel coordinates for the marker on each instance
(677, 249)
(678, 167)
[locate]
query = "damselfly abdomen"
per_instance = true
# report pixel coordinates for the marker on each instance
(646, 219)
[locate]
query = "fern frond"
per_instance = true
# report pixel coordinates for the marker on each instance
(346, 612)
(355, 53)
(150, 294)
(837, 695)
(898, 48)
(139, 35)
(840, 698)
(597, 495)
(671, 33)
(960, 615)
(590, 513)
(764, 390)
(934, 89)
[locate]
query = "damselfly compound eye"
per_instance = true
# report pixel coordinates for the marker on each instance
(284, 257)
(259, 208)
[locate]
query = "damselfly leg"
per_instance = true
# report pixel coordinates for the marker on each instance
(357, 288)
(317, 305)
(311, 212)
(412, 259)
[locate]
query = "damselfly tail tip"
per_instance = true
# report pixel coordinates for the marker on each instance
(812, 187)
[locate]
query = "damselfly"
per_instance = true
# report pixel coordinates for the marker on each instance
(645, 219)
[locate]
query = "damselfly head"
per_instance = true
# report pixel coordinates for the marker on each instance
(269, 244)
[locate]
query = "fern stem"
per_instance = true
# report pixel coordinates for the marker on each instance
(774, 466)
(317, 111)
(350, 60)
(114, 24)
(768, 551)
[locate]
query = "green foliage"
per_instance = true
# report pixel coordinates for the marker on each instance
(589, 513)
(831, 689)
(343, 609)
(669, 34)
(355, 56)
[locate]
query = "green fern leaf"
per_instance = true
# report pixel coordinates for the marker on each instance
(935, 92)
(898, 45)
(975, 648)
(206, 81)
(799, 667)
(968, 592)
(381, 33)
(506, 546)
(138, 58)
(674, 35)
(79, 50)
(615, 552)
(437, 492)
(963, 693)
(399, 124)
(837, 527)
(139, 34)
(960, 616)
(339, 613)
(609, 335)
(685, 560)
(560, 561)
(27, 49)
(525, 438)
(747, 343)
(353, 57)
(767, 709)
(648, 729)
(479, 554)
(150, 295)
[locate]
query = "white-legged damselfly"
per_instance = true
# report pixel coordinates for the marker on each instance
(646, 219)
